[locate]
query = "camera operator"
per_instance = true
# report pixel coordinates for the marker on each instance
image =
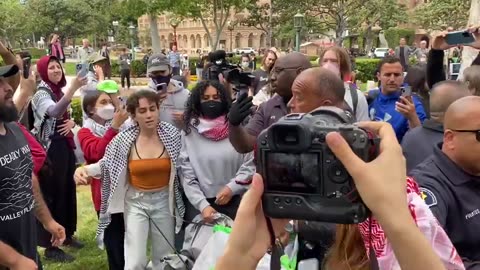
(284, 72)
(450, 179)
(251, 238)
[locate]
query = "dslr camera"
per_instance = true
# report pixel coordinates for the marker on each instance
(233, 74)
(303, 179)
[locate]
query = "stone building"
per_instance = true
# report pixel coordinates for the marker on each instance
(191, 35)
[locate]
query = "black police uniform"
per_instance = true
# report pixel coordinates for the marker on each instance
(454, 198)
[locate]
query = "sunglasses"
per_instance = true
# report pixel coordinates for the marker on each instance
(477, 132)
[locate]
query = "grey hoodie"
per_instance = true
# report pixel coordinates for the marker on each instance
(176, 100)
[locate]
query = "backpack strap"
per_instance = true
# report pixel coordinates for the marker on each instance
(353, 93)
(372, 96)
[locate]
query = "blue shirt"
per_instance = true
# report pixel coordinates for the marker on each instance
(383, 109)
(174, 58)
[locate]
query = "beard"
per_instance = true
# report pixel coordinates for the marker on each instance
(8, 113)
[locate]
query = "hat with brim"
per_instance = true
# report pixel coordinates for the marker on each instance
(8, 70)
(94, 59)
(108, 86)
(157, 62)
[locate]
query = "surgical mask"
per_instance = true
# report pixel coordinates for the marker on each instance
(162, 79)
(245, 64)
(212, 109)
(106, 112)
(335, 68)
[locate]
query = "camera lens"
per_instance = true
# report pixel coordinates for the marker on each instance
(338, 173)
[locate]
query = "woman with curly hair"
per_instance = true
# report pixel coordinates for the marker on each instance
(210, 168)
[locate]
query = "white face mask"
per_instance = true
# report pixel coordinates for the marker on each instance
(106, 112)
(245, 64)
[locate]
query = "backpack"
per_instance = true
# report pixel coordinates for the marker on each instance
(353, 93)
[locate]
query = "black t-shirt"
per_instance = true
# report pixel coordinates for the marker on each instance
(17, 220)
(261, 79)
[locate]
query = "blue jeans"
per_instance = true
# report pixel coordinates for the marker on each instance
(147, 216)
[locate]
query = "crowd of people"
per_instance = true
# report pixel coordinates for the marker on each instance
(165, 156)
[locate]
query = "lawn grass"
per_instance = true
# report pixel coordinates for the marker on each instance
(90, 257)
(70, 69)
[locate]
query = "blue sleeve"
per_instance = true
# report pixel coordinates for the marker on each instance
(419, 109)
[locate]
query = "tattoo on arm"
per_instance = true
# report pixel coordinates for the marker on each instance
(41, 209)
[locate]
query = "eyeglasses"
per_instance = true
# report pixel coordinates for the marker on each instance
(477, 132)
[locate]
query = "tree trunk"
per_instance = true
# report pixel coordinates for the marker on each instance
(469, 54)
(269, 40)
(156, 46)
(340, 29)
(369, 35)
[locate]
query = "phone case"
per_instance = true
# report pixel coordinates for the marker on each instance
(460, 37)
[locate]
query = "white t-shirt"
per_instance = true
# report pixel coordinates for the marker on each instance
(362, 105)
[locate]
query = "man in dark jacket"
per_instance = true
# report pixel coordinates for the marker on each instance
(450, 179)
(419, 142)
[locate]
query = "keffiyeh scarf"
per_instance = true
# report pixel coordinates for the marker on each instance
(426, 222)
(213, 129)
(115, 161)
(97, 129)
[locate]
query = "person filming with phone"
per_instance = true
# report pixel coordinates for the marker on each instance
(393, 103)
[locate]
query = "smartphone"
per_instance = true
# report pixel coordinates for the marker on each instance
(309, 264)
(82, 70)
(162, 88)
(459, 37)
(27, 63)
(123, 101)
(406, 91)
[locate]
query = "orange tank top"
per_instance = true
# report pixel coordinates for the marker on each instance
(149, 174)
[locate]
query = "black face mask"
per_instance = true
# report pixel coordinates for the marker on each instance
(162, 79)
(212, 109)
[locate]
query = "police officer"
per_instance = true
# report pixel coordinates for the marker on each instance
(450, 179)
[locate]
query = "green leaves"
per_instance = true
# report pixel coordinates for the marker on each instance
(437, 15)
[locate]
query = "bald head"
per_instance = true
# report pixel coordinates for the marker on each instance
(461, 112)
(316, 87)
(443, 94)
(293, 60)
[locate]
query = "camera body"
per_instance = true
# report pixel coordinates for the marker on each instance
(232, 73)
(302, 177)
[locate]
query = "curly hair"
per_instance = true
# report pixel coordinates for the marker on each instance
(193, 108)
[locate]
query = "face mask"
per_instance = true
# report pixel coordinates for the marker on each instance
(332, 67)
(162, 79)
(106, 112)
(212, 109)
(245, 64)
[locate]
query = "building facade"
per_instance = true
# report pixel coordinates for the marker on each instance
(191, 36)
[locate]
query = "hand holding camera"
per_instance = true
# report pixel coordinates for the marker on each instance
(240, 109)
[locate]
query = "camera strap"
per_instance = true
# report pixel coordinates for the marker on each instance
(276, 247)
(372, 255)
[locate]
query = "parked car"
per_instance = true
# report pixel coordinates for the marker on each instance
(380, 52)
(247, 50)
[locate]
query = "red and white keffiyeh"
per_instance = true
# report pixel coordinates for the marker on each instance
(213, 129)
(428, 225)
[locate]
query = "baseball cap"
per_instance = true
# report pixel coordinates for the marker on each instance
(95, 58)
(157, 62)
(108, 86)
(8, 70)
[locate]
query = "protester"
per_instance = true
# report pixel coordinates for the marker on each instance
(21, 198)
(449, 178)
(105, 52)
(173, 57)
(98, 130)
(139, 179)
(200, 65)
(209, 165)
(250, 237)
(471, 76)
(10, 59)
(245, 63)
(403, 52)
(419, 142)
(416, 79)
(55, 48)
(84, 52)
(262, 74)
(53, 127)
(387, 103)
(96, 70)
(337, 60)
(282, 76)
(160, 73)
(125, 62)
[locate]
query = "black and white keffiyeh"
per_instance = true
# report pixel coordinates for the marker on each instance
(115, 161)
(96, 128)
